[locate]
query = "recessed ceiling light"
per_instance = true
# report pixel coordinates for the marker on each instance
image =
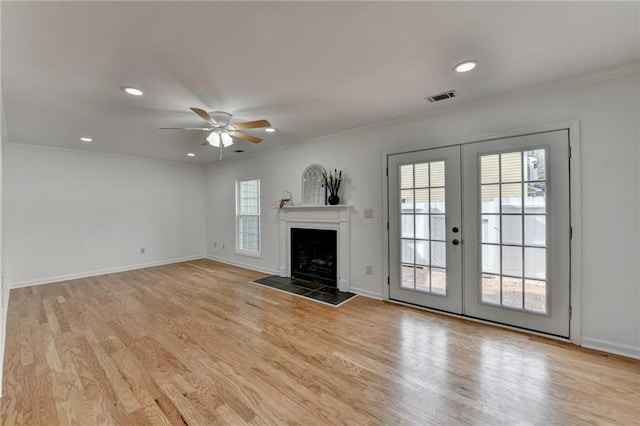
(85, 139)
(132, 91)
(239, 150)
(270, 129)
(190, 154)
(465, 66)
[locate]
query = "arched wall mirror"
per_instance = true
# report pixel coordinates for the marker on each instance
(312, 189)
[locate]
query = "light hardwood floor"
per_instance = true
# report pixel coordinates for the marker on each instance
(195, 343)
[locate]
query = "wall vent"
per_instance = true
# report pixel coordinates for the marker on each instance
(442, 96)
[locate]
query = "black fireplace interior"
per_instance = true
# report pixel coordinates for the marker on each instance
(314, 255)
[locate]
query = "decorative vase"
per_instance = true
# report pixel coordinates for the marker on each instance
(333, 200)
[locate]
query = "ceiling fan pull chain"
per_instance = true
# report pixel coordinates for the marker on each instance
(221, 151)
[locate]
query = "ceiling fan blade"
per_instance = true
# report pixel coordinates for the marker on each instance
(205, 116)
(252, 124)
(185, 128)
(245, 136)
(205, 143)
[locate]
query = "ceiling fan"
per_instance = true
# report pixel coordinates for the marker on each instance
(222, 131)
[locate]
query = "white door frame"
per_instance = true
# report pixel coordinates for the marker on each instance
(575, 189)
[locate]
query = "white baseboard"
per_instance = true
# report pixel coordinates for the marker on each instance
(611, 347)
(59, 278)
(244, 265)
(366, 293)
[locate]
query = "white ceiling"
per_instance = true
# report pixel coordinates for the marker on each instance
(311, 68)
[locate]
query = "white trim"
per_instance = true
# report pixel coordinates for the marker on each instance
(575, 191)
(367, 293)
(611, 347)
(87, 274)
(243, 265)
(109, 154)
(254, 254)
(385, 227)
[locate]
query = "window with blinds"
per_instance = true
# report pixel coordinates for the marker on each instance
(248, 216)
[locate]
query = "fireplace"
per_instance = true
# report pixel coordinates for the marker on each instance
(314, 255)
(334, 219)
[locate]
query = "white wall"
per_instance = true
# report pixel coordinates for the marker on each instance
(607, 107)
(77, 213)
(4, 291)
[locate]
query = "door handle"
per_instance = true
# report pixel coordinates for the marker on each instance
(456, 242)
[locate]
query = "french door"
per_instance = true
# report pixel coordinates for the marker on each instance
(501, 252)
(424, 227)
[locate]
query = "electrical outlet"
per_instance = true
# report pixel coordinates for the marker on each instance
(368, 269)
(142, 251)
(368, 213)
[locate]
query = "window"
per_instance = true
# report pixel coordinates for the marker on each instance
(248, 216)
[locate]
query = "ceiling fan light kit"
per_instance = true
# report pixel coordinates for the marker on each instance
(216, 138)
(222, 131)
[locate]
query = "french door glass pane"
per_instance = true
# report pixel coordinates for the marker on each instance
(511, 198)
(491, 258)
(490, 231)
(406, 176)
(438, 253)
(512, 229)
(437, 201)
(490, 198)
(513, 238)
(406, 201)
(423, 226)
(422, 252)
(437, 174)
(535, 295)
(491, 289)
(510, 167)
(423, 278)
(407, 251)
(438, 229)
(406, 228)
(512, 261)
(512, 292)
(535, 200)
(490, 169)
(408, 276)
(535, 263)
(439, 281)
(535, 230)
(422, 175)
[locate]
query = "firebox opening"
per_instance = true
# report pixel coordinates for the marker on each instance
(314, 255)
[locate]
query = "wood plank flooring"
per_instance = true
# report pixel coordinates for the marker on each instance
(195, 343)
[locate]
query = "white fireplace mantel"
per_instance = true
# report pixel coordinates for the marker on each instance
(317, 217)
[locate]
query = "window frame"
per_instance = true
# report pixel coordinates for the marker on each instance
(239, 250)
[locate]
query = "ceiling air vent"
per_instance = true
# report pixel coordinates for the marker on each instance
(442, 96)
